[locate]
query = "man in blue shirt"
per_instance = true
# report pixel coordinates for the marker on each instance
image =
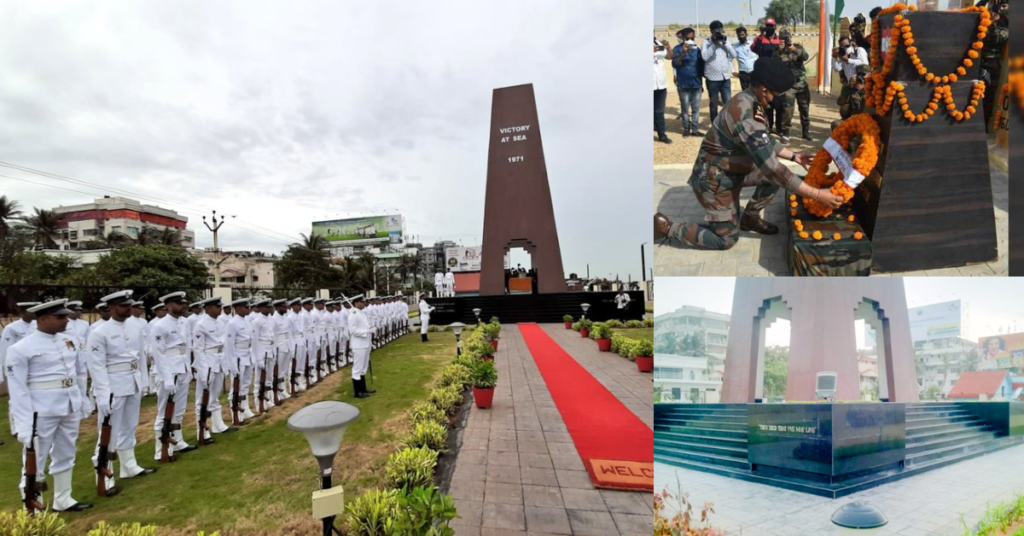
(686, 62)
(718, 55)
(745, 56)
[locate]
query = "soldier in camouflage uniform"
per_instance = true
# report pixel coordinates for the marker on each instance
(794, 55)
(992, 56)
(851, 100)
(736, 152)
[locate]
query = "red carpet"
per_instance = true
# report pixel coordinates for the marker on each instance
(616, 446)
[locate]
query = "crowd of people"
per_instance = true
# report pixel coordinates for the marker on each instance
(60, 369)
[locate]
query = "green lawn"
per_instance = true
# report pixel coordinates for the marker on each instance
(641, 334)
(257, 480)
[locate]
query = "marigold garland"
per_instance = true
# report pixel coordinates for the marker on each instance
(864, 160)
(895, 93)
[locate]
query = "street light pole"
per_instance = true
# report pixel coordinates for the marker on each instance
(216, 250)
(643, 263)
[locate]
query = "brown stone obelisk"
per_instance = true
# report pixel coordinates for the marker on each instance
(517, 208)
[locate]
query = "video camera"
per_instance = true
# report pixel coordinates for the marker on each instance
(718, 35)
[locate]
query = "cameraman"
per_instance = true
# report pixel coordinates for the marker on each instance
(767, 45)
(853, 102)
(794, 55)
(845, 60)
(718, 56)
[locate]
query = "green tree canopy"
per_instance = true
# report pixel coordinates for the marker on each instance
(776, 370)
(163, 267)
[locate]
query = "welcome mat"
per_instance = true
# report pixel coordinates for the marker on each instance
(617, 448)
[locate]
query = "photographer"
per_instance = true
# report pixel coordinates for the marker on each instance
(845, 60)
(688, 69)
(718, 56)
(857, 30)
(853, 102)
(662, 52)
(766, 45)
(799, 95)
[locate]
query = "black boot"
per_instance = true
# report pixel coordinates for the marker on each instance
(806, 134)
(423, 337)
(365, 389)
(357, 387)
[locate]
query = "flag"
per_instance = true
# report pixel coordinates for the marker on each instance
(839, 13)
(825, 49)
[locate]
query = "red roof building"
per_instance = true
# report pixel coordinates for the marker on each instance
(972, 385)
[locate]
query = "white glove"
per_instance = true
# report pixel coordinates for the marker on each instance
(103, 407)
(88, 406)
(25, 438)
(169, 387)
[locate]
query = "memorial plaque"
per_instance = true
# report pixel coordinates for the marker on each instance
(517, 208)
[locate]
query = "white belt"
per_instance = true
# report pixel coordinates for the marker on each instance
(124, 367)
(243, 345)
(309, 331)
(176, 350)
(266, 341)
(215, 349)
(50, 385)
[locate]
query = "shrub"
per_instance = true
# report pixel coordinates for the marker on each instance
(492, 330)
(19, 523)
(426, 412)
(601, 331)
(135, 529)
(613, 323)
(431, 435)
(434, 329)
(626, 347)
(649, 322)
(586, 324)
(485, 376)
(576, 325)
(369, 513)
(480, 348)
(567, 318)
(410, 467)
(680, 523)
(494, 320)
(446, 399)
(633, 324)
(453, 375)
(423, 511)
(643, 348)
(466, 360)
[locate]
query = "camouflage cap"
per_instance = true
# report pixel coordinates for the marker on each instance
(773, 74)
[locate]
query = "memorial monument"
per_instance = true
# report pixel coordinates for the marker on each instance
(822, 314)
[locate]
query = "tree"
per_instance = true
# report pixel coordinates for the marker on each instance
(314, 243)
(43, 224)
(789, 12)
(776, 371)
(9, 210)
(161, 267)
(932, 392)
(305, 267)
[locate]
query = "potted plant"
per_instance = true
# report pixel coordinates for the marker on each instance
(603, 335)
(568, 321)
(493, 331)
(482, 349)
(585, 326)
(644, 352)
(484, 378)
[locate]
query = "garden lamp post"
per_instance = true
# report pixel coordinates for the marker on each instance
(476, 311)
(457, 328)
(859, 519)
(323, 424)
(585, 306)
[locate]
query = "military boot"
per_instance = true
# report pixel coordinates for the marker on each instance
(756, 224)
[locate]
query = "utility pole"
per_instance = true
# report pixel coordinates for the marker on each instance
(216, 250)
(643, 263)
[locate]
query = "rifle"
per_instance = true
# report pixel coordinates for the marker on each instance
(295, 373)
(277, 381)
(236, 397)
(103, 456)
(166, 454)
(33, 490)
(318, 357)
(204, 411)
(263, 387)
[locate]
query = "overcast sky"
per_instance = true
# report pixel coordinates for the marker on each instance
(686, 11)
(282, 113)
(990, 302)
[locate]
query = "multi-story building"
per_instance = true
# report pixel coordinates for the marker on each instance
(239, 268)
(90, 222)
(685, 379)
(711, 327)
(867, 366)
(940, 361)
(432, 257)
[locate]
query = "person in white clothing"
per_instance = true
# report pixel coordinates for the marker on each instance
(264, 352)
(360, 332)
(113, 357)
(239, 347)
(46, 374)
(662, 52)
(346, 351)
(159, 310)
(449, 283)
(285, 352)
(297, 382)
(14, 332)
(170, 345)
(425, 310)
(104, 312)
(140, 329)
(211, 367)
(622, 300)
(438, 284)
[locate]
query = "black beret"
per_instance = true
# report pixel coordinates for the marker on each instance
(773, 74)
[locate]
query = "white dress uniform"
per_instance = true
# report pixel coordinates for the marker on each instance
(285, 351)
(14, 332)
(330, 336)
(622, 301)
(439, 284)
(298, 336)
(449, 284)
(343, 334)
(149, 349)
(425, 310)
(210, 365)
(46, 376)
(319, 317)
(359, 331)
(309, 338)
(171, 347)
(113, 354)
(140, 331)
(238, 350)
(264, 353)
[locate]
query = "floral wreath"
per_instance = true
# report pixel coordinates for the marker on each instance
(881, 95)
(864, 160)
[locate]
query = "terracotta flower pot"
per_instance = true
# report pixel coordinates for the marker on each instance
(645, 363)
(584, 333)
(604, 344)
(568, 325)
(494, 343)
(483, 397)
(488, 358)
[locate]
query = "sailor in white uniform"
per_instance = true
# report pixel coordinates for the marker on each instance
(210, 365)
(14, 332)
(359, 331)
(298, 340)
(77, 327)
(140, 332)
(309, 328)
(439, 284)
(238, 351)
(425, 310)
(331, 336)
(170, 344)
(226, 314)
(449, 283)
(343, 332)
(284, 349)
(264, 351)
(113, 354)
(319, 316)
(46, 373)
(104, 312)
(160, 311)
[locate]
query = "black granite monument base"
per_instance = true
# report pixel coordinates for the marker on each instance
(512, 308)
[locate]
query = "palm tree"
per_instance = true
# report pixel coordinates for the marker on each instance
(313, 242)
(44, 225)
(9, 210)
(115, 240)
(413, 264)
(168, 236)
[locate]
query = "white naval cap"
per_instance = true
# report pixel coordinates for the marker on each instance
(174, 297)
(55, 307)
(196, 304)
(101, 306)
(75, 305)
(157, 307)
(119, 297)
(281, 301)
(244, 302)
(209, 301)
(307, 300)
(259, 302)
(293, 301)
(25, 304)
(139, 303)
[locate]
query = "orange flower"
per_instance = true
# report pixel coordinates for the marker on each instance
(850, 218)
(803, 234)
(977, 45)
(968, 63)
(792, 197)
(793, 204)
(973, 54)
(858, 235)
(817, 235)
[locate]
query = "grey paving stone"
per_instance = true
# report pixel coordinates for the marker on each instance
(549, 520)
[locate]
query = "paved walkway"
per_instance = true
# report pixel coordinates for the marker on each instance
(518, 469)
(929, 504)
(757, 255)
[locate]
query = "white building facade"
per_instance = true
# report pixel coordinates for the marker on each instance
(684, 379)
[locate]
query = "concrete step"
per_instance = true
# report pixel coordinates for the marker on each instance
(695, 446)
(962, 438)
(734, 462)
(697, 430)
(705, 439)
(699, 423)
(939, 427)
(694, 416)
